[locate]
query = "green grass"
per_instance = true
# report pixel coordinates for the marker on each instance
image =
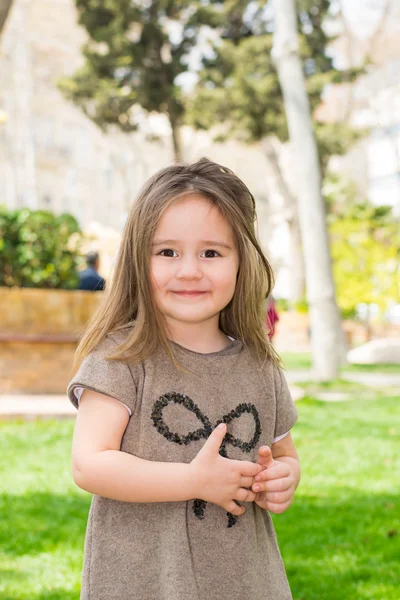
(335, 385)
(301, 361)
(340, 539)
(43, 513)
(295, 361)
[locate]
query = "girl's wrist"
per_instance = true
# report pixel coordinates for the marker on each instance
(193, 481)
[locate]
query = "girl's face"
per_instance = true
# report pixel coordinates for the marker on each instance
(194, 262)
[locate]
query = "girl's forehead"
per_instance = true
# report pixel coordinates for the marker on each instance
(193, 215)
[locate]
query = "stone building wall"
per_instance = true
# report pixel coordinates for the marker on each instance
(52, 156)
(73, 166)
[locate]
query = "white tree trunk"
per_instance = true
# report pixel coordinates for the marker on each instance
(297, 276)
(325, 325)
(20, 125)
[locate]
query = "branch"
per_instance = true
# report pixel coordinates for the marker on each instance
(5, 6)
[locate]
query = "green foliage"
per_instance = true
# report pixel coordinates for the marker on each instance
(238, 86)
(38, 249)
(282, 305)
(334, 139)
(133, 58)
(239, 89)
(365, 247)
(137, 53)
(302, 306)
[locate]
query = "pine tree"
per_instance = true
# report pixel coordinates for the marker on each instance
(238, 86)
(133, 59)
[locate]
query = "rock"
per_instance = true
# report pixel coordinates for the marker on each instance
(385, 350)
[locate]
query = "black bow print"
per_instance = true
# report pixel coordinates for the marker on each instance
(204, 432)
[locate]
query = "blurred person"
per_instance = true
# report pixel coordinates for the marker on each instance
(89, 278)
(271, 317)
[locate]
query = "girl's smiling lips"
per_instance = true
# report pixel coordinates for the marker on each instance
(189, 293)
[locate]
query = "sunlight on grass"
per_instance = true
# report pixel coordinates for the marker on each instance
(41, 540)
(340, 539)
(297, 361)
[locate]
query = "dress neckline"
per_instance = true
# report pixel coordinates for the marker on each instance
(233, 347)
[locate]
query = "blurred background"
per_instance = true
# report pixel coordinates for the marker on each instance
(95, 97)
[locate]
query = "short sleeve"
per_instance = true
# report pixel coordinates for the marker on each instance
(286, 411)
(110, 377)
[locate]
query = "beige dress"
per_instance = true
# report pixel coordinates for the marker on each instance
(186, 550)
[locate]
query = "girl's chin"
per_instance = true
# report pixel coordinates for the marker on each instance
(192, 316)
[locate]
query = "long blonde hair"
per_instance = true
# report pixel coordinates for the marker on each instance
(129, 298)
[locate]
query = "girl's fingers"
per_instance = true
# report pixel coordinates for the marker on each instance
(277, 509)
(246, 482)
(265, 457)
(276, 497)
(235, 509)
(248, 469)
(277, 471)
(274, 485)
(279, 497)
(244, 495)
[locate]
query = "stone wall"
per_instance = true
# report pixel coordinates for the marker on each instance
(292, 332)
(39, 331)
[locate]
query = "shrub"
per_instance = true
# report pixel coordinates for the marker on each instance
(39, 249)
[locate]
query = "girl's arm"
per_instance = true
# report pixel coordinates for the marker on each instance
(99, 466)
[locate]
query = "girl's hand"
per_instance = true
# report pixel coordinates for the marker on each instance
(275, 485)
(222, 480)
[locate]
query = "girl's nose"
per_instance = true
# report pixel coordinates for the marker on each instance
(189, 268)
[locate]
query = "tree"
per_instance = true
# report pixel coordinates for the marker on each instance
(365, 242)
(326, 335)
(238, 89)
(238, 85)
(134, 57)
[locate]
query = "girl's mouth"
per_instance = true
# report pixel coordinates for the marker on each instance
(190, 293)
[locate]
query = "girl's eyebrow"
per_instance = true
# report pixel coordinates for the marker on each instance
(202, 242)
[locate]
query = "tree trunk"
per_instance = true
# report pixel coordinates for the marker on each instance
(298, 283)
(176, 140)
(20, 126)
(326, 334)
(297, 277)
(5, 6)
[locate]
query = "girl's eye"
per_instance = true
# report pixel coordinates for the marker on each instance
(211, 253)
(169, 253)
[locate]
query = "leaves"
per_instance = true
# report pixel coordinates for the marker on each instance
(365, 246)
(137, 52)
(35, 249)
(238, 86)
(133, 58)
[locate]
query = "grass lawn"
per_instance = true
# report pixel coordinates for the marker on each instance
(302, 360)
(340, 539)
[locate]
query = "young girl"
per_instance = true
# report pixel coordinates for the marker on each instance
(183, 430)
